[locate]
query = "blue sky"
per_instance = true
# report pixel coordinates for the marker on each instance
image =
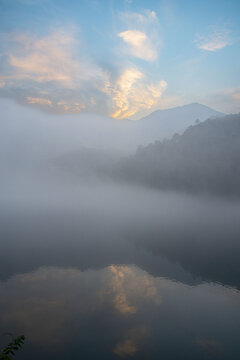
(122, 58)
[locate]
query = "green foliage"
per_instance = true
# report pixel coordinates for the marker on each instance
(12, 347)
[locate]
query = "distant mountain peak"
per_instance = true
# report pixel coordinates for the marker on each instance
(163, 124)
(187, 107)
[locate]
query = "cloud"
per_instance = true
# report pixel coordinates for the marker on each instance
(40, 101)
(73, 107)
(51, 58)
(214, 40)
(141, 35)
(139, 44)
(37, 304)
(48, 304)
(126, 348)
(132, 93)
(52, 65)
(147, 17)
(124, 289)
(133, 37)
(134, 339)
(51, 72)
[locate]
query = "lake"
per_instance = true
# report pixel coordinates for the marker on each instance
(110, 271)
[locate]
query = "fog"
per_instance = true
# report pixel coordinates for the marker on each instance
(71, 229)
(57, 194)
(30, 133)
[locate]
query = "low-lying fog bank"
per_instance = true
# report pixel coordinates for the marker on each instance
(66, 222)
(89, 208)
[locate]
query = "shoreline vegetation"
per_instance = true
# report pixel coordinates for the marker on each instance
(9, 350)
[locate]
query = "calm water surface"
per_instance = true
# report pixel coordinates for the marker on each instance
(111, 272)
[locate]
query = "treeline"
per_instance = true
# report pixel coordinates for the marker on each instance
(205, 158)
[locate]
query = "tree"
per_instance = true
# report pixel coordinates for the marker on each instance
(12, 347)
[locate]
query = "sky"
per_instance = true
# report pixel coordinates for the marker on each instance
(120, 58)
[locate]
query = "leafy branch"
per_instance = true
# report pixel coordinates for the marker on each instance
(12, 347)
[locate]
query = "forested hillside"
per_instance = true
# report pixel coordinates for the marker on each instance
(205, 158)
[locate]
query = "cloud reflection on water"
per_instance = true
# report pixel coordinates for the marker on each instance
(124, 306)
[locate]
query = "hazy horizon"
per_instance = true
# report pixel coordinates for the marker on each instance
(8, 100)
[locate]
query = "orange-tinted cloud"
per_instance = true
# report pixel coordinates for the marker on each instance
(134, 339)
(41, 101)
(132, 93)
(138, 44)
(53, 74)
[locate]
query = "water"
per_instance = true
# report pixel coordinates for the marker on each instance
(107, 271)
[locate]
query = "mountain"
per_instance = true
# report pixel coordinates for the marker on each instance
(32, 133)
(204, 158)
(165, 123)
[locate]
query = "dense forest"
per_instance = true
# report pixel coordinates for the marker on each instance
(204, 158)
